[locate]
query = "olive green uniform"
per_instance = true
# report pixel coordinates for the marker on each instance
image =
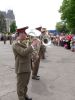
(42, 51)
(22, 55)
(43, 47)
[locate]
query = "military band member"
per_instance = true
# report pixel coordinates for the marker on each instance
(22, 55)
(42, 51)
(37, 54)
(36, 62)
(42, 47)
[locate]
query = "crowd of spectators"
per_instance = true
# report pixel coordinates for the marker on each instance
(65, 40)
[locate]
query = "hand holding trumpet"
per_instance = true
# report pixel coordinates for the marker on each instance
(35, 42)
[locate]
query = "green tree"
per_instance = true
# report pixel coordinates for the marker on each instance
(67, 10)
(13, 27)
(3, 28)
(61, 27)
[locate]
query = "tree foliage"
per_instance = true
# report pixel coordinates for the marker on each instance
(13, 27)
(67, 10)
(3, 28)
(61, 27)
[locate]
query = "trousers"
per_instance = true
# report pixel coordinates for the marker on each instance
(22, 83)
(36, 67)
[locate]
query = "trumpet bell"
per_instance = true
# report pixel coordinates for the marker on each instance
(46, 42)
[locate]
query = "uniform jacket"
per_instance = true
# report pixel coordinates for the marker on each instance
(22, 55)
(35, 53)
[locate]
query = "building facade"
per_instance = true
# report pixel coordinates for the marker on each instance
(9, 17)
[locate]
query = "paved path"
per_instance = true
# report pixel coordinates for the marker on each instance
(57, 73)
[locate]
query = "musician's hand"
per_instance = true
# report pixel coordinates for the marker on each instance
(35, 42)
(38, 41)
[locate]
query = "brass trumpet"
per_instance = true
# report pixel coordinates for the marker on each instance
(46, 40)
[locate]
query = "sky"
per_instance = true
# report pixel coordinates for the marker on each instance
(34, 13)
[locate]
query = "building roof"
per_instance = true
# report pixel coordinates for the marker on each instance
(8, 14)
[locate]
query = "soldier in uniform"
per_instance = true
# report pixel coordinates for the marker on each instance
(42, 51)
(36, 60)
(22, 55)
(42, 47)
(4, 38)
(10, 39)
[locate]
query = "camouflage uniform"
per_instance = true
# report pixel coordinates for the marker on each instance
(35, 61)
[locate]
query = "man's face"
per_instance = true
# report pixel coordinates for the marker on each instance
(23, 36)
(43, 33)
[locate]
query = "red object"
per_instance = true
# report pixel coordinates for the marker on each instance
(68, 37)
